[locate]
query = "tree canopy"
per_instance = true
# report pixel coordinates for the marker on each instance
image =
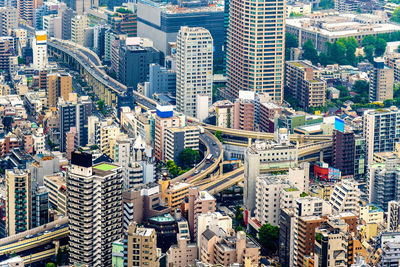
(396, 15)
(188, 157)
(268, 236)
(291, 41)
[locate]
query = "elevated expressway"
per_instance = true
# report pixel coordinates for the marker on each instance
(37, 243)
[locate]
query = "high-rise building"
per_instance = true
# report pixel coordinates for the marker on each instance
(381, 81)
(380, 131)
(39, 50)
(8, 20)
(194, 63)
(58, 85)
(134, 61)
(343, 151)
(78, 25)
(244, 111)
(25, 10)
(383, 183)
(66, 15)
(303, 82)
(18, 201)
(7, 52)
(40, 206)
(94, 207)
(255, 47)
(140, 247)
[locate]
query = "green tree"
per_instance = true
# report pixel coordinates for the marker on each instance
(380, 47)
(50, 264)
(188, 157)
(218, 134)
(326, 4)
(361, 88)
(368, 40)
(310, 52)
(304, 194)
(343, 91)
(59, 257)
(291, 41)
(396, 15)
(369, 52)
(268, 236)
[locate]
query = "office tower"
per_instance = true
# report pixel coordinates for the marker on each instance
(74, 115)
(161, 80)
(346, 197)
(39, 50)
(8, 20)
(343, 151)
(287, 222)
(134, 61)
(194, 62)
(18, 186)
(47, 8)
(94, 207)
(164, 119)
(381, 81)
(178, 139)
(78, 25)
(255, 48)
(58, 85)
(53, 25)
(393, 216)
(99, 39)
(140, 247)
(380, 130)
(25, 11)
(123, 21)
(360, 158)
(40, 206)
(67, 115)
(383, 183)
(304, 83)
(161, 22)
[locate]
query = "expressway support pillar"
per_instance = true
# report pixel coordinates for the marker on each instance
(321, 155)
(221, 168)
(249, 143)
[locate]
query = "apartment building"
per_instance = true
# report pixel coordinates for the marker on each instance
(372, 214)
(100, 186)
(140, 247)
(226, 249)
(343, 153)
(346, 197)
(304, 83)
(57, 188)
(194, 69)
(379, 131)
(18, 185)
(58, 85)
(8, 20)
(381, 81)
(174, 194)
(273, 193)
(78, 25)
(199, 202)
(393, 217)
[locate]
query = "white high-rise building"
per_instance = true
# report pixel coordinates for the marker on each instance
(194, 71)
(393, 217)
(381, 130)
(94, 207)
(39, 48)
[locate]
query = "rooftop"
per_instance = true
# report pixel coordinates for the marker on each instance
(163, 218)
(105, 167)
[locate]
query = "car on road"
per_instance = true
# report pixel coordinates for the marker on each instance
(196, 171)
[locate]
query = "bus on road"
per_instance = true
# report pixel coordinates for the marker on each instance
(209, 158)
